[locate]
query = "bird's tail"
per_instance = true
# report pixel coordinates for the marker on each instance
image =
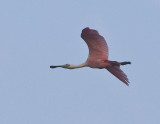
(125, 63)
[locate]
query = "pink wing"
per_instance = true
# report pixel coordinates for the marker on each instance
(97, 45)
(117, 72)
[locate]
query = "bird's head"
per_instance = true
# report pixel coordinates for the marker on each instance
(66, 66)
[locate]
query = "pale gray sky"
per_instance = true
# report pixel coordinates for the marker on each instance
(37, 34)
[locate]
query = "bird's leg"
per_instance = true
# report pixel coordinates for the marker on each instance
(113, 63)
(62, 66)
(125, 63)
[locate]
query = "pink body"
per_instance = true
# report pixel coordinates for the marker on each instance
(98, 54)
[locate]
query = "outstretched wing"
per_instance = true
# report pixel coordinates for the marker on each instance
(117, 72)
(97, 45)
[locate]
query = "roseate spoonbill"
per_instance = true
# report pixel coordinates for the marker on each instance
(98, 56)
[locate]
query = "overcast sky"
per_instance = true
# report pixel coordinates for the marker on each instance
(35, 34)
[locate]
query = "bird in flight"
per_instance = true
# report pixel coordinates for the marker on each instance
(98, 56)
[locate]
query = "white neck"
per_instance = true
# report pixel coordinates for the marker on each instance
(76, 66)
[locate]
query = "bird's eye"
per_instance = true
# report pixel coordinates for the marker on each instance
(67, 65)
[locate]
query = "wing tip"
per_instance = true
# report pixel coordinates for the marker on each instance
(117, 72)
(127, 83)
(87, 31)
